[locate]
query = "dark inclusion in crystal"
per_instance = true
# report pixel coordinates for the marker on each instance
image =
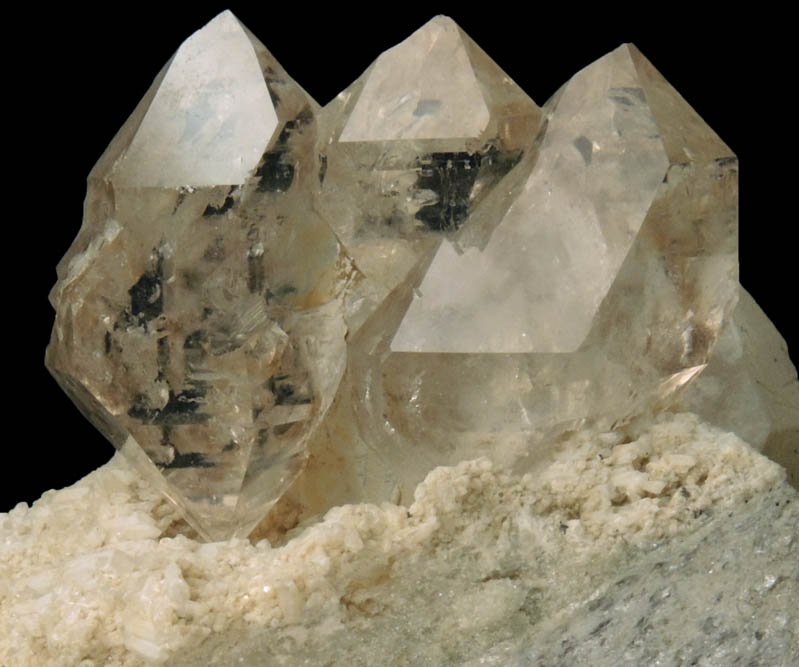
(452, 177)
(181, 408)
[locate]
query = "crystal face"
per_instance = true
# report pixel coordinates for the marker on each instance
(199, 322)
(414, 148)
(429, 268)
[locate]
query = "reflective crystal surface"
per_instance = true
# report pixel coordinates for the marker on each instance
(596, 293)
(197, 313)
(429, 268)
(414, 148)
(750, 386)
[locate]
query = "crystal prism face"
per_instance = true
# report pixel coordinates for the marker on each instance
(598, 294)
(196, 310)
(599, 167)
(430, 268)
(750, 386)
(417, 144)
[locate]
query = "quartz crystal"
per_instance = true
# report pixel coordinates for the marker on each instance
(429, 268)
(750, 386)
(588, 291)
(198, 316)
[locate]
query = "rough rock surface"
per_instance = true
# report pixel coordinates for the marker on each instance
(679, 547)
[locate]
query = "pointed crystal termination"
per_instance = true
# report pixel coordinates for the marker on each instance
(598, 293)
(430, 268)
(216, 133)
(197, 323)
(416, 145)
(567, 233)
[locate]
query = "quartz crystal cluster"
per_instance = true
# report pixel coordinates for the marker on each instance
(428, 269)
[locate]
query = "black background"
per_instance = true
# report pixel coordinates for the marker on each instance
(77, 74)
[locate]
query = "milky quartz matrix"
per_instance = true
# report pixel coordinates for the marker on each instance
(431, 268)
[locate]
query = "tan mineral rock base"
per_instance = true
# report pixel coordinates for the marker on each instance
(679, 546)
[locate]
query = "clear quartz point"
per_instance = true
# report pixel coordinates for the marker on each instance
(413, 148)
(196, 312)
(597, 294)
(270, 301)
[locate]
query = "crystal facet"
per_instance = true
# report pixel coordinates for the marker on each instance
(750, 386)
(597, 294)
(196, 310)
(209, 119)
(415, 146)
(430, 268)
(600, 164)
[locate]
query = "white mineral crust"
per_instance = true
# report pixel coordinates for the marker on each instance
(482, 568)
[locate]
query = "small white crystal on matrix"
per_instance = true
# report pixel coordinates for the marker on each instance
(272, 300)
